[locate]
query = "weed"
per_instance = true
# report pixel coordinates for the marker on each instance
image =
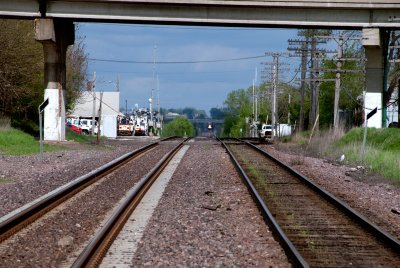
(6, 180)
(5, 123)
(297, 161)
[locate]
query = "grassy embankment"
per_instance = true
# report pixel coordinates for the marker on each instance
(382, 150)
(16, 142)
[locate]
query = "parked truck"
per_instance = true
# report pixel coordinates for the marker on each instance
(125, 126)
(82, 125)
(87, 125)
(282, 130)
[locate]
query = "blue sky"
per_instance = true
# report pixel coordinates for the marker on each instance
(198, 85)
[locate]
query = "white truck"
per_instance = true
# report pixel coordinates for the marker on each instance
(282, 130)
(125, 126)
(266, 131)
(86, 126)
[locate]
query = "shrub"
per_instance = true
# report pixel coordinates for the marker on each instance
(180, 126)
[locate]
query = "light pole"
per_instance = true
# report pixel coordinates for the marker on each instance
(151, 109)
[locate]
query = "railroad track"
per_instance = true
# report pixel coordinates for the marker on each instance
(14, 224)
(98, 246)
(315, 228)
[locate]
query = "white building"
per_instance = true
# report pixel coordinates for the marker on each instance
(109, 110)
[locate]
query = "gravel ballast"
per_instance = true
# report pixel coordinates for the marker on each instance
(206, 216)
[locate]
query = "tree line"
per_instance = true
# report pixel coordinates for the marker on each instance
(22, 73)
(297, 110)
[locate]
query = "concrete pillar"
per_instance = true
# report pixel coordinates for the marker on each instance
(55, 37)
(375, 75)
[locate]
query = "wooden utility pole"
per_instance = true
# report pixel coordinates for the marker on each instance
(301, 51)
(99, 123)
(337, 84)
(94, 101)
(308, 48)
(304, 48)
(340, 40)
(276, 67)
(314, 98)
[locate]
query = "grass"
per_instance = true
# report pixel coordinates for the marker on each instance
(382, 150)
(16, 142)
(71, 135)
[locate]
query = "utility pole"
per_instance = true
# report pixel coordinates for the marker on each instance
(158, 99)
(99, 123)
(340, 40)
(309, 48)
(303, 51)
(255, 89)
(304, 48)
(274, 104)
(276, 67)
(94, 102)
(154, 84)
(288, 116)
(337, 84)
(314, 98)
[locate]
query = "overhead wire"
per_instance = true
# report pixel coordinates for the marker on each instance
(177, 62)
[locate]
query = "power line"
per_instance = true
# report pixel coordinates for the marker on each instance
(179, 72)
(177, 62)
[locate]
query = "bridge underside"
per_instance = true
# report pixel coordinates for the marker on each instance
(54, 20)
(267, 13)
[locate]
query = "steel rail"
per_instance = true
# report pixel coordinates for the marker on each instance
(290, 249)
(380, 234)
(13, 222)
(94, 252)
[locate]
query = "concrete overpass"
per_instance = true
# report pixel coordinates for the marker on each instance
(54, 28)
(263, 13)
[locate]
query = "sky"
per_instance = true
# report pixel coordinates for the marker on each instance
(128, 52)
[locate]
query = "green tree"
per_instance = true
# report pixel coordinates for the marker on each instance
(180, 126)
(218, 113)
(351, 84)
(77, 65)
(21, 73)
(239, 103)
(239, 107)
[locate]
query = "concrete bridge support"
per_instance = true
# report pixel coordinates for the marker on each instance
(55, 36)
(374, 42)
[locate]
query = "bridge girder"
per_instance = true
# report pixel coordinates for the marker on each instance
(283, 13)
